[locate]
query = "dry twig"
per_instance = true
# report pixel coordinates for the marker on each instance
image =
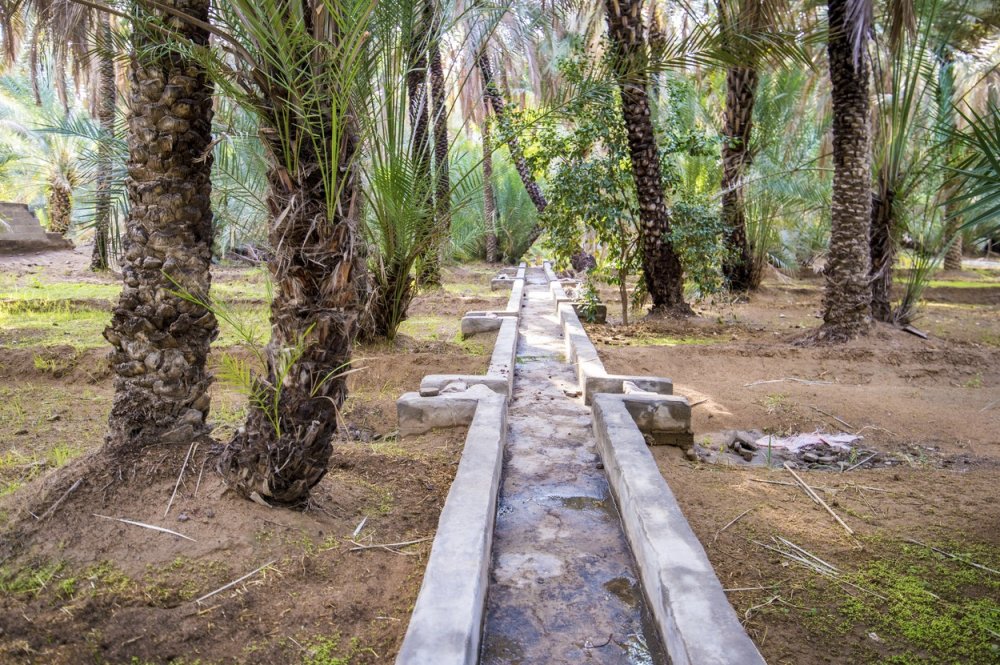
(954, 556)
(830, 415)
(194, 445)
(732, 522)
(390, 547)
(145, 526)
(55, 505)
(802, 381)
(235, 582)
(815, 497)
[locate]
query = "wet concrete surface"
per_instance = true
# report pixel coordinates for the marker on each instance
(563, 584)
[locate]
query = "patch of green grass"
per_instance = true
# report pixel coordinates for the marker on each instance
(957, 284)
(28, 581)
(668, 340)
(477, 289)
(470, 346)
(937, 610)
(53, 322)
(430, 327)
(974, 382)
(328, 651)
(35, 289)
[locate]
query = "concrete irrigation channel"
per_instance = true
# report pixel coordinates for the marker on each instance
(560, 542)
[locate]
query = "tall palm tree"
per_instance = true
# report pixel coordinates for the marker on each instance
(107, 93)
(660, 264)
(160, 338)
(736, 18)
(489, 197)
(295, 66)
(847, 295)
(498, 105)
(430, 270)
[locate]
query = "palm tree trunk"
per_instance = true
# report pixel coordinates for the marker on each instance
(431, 264)
(883, 252)
(489, 199)
(419, 108)
(496, 101)
(660, 265)
(60, 206)
(741, 90)
(953, 221)
(161, 340)
(106, 117)
(847, 297)
(284, 448)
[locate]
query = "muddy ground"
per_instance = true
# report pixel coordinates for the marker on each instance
(76, 587)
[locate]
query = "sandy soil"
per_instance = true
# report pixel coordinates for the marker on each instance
(75, 587)
(931, 406)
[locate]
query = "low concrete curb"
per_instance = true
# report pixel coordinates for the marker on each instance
(696, 621)
(580, 351)
(446, 625)
(490, 320)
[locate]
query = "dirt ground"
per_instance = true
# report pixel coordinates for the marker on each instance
(77, 587)
(931, 408)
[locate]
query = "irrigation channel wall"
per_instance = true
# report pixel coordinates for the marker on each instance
(447, 621)
(697, 624)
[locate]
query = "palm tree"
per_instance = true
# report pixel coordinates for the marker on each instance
(847, 296)
(430, 271)
(296, 65)
(107, 93)
(660, 265)
(489, 197)
(498, 105)
(736, 19)
(160, 338)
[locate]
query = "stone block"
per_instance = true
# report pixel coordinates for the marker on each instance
(689, 606)
(432, 384)
(419, 414)
(501, 283)
(480, 324)
(614, 384)
(446, 624)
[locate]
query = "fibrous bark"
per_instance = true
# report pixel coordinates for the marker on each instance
(847, 296)
(60, 205)
(430, 273)
(660, 265)
(741, 90)
(496, 102)
(107, 93)
(489, 201)
(160, 339)
(882, 246)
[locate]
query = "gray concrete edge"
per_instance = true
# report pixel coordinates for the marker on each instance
(446, 624)
(695, 619)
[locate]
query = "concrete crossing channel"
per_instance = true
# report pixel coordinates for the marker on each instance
(560, 542)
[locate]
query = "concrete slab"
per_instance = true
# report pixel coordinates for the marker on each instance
(504, 352)
(419, 414)
(432, 384)
(446, 625)
(472, 325)
(696, 621)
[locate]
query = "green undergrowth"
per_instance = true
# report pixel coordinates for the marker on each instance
(41, 322)
(477, 289)
(921, 606)
(668, 340)
(430, 327)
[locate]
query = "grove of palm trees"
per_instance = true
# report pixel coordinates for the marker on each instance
(280, 213)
